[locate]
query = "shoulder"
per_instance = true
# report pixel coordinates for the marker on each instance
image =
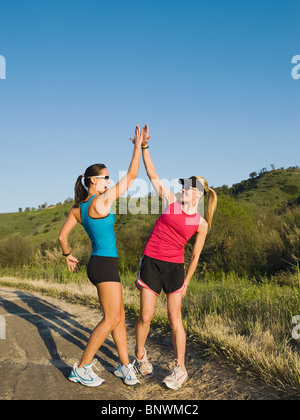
(176, 206)
(203, 226)
(100, 206)
(76, 212)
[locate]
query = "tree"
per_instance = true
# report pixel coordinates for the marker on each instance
(253, 175)
(69, 200)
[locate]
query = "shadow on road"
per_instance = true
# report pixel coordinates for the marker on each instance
(49, 319)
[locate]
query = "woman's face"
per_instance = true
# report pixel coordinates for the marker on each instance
(190, 195)
(101, 184)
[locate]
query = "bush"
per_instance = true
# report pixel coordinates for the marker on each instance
(234, 242)
(16, 251)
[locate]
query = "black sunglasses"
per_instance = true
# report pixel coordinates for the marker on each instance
(106, 177)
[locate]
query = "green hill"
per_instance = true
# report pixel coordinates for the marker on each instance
(272, 192)
(255, 230)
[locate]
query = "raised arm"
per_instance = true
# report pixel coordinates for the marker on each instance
(163, 192)
(105, 201)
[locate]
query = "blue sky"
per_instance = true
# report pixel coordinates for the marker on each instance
(212, 79)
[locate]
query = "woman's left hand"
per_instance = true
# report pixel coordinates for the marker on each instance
(73, 264)
(138, 137)
(183, 293)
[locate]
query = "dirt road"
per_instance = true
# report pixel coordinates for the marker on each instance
(46, 336)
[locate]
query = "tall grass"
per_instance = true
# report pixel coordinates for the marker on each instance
(250, 324)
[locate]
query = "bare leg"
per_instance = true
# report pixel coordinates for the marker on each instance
(111, 300)
(175, 320)
(147, 302)
(120, 338)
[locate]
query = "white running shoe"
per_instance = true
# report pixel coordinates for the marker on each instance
(85, 375)
(127, 373)
(145, 367)
(177, 378)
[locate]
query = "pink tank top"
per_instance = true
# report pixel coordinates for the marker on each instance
(171, 232)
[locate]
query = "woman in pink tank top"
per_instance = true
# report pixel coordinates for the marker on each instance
(162, 265)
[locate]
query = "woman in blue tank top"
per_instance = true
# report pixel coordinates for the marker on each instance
(92, 209)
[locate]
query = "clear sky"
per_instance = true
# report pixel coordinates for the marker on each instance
(211, 77)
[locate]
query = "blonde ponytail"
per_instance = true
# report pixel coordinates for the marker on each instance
(212, 201)
(211, 206)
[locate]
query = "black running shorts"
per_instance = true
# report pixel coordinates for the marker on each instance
(103, 269)
(156, 275)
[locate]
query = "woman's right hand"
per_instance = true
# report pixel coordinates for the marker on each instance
(73, 264)
(146, 136)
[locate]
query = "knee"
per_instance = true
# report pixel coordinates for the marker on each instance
(175, 319)
(114, 320)
(146, 318)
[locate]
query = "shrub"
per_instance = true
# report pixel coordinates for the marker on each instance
(16, 251)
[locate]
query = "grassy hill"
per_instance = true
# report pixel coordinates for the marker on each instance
(275, 192)
(255, 230)
(257, 223)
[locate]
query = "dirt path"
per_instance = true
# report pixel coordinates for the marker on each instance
(45, 336)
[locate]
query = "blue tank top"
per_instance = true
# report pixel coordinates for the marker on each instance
(101, 232)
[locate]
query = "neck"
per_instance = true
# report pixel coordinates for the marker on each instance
(92, 191)
(190, 208)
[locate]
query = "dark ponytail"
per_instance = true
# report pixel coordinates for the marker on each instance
(81, 193)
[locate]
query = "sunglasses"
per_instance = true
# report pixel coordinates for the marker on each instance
(106, 177)
(192, 183)
(189, 187)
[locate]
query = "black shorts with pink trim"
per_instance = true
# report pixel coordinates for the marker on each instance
(156, 275)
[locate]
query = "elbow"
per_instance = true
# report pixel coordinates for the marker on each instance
(152, 175)
(132, 175)
(195, 258)
(61, 238)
